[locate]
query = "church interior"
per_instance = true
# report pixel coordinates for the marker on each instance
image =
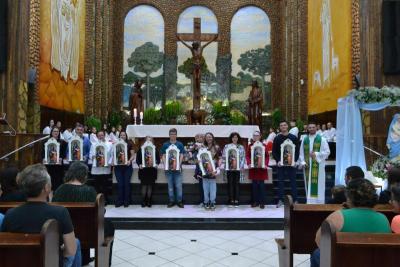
(199, 132)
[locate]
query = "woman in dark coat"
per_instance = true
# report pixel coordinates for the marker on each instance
(147, 176)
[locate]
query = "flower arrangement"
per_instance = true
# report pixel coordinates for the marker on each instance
(377, 95)
(381, 166)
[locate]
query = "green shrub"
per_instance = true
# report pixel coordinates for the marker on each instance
(92, 121)
(237, 117)
(221, 113)
(172, 110)
(276, 118)
(114, 118)
(152, 116)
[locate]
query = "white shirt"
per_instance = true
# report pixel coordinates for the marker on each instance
(330, 134)
(92, 154)
(294, 131)
(66, 135)
(93, 138)
(47, 130)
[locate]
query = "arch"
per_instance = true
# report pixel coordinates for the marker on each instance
(143, 31)
(251, 23)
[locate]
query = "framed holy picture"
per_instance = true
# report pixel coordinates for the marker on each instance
(149, 155)
(100, 155)
(288, 153)
(51, 152)
(120, 153)
(75, 149)
(258, 155)
(172, 158)
(232, 158)
(206, 162)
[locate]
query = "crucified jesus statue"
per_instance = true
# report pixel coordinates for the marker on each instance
(197, 53)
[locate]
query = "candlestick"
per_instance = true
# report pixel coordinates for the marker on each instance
(135, 112)
(141, 118)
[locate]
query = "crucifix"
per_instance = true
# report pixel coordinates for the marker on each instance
(197, 54)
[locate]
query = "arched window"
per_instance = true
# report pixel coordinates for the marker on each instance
(209, 24)
(251, 55)
(144, 53)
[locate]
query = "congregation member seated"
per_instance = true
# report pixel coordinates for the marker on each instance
(393, 179)
(338, 195)
(353, 172)
(9, 187)
(359, 217)
(75, 190)
(395, 225)
(36, 184)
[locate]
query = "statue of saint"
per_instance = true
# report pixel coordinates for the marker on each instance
(197, 55)
(255, 104)
(136, 98)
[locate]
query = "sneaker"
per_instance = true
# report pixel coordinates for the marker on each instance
(262, 206)
(149, 204)
(280, 204)
(180, 205)
(236, 204)
(170, 204)
(143, 204)
(206, 206)
(296, 202)
(212, 206)
(231, 204)
(118, 205)
(253, 205)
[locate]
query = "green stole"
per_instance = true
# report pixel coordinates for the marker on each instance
(312, 163)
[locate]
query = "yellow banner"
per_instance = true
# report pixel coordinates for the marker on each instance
(62, 50)
(329, 53)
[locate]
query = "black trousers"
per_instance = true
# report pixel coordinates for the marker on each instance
(101, 184)
(233, 185)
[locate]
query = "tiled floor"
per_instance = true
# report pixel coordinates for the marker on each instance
(193, 211)
(198, 248)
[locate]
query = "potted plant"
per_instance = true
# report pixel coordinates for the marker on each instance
(221, 113)
(171, 111)
(152, 116)
(93, 121)
(237, 117)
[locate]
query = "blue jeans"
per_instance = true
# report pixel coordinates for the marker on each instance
(174, 184)
(258, 190)
(76, 260)
(315, 258)
(210, 190)
(123, 175)
(288, 172)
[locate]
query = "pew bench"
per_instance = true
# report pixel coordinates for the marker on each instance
(34, 250)
(88, 221)
(301, 222)
(357, 249)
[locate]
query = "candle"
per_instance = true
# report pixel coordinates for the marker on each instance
(135, 112)
(141, 115)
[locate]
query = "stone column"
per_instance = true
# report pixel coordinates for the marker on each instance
(224, 70)
(170, 76)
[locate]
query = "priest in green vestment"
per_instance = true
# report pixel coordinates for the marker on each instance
(314, 150)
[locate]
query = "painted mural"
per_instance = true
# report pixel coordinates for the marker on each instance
(62, 49)
(209, 24)
(251, 56)
(144, 54)
(329, 56)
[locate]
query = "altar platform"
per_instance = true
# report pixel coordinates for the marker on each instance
(195, 217)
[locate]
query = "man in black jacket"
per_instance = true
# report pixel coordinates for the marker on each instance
(285, 171)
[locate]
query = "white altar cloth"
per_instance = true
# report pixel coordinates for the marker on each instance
(140, 131)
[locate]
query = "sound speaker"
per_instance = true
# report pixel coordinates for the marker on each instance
(3, 35)
(391, 36)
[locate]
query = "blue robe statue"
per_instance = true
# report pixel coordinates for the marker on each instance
(393, 140)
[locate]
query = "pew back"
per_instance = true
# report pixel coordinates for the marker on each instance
(357, 249)
(36, 250)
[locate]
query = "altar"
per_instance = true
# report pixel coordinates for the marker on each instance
(189, 131)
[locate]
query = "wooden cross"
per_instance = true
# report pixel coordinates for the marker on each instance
(197, 35)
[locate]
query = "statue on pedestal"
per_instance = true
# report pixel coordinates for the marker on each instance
(255, 104)
(136, 100)
(197, 54)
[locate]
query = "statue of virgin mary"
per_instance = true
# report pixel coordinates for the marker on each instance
(393, 140)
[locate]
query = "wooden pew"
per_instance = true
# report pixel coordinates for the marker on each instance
(357, 249)
(34, 250)
(301, 222)
(88, 221)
